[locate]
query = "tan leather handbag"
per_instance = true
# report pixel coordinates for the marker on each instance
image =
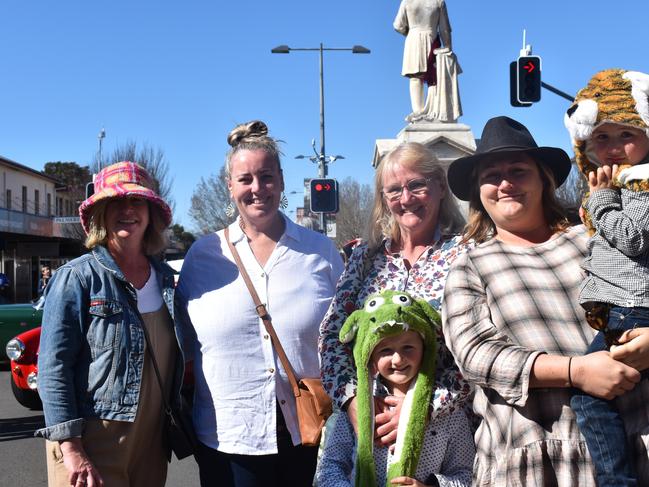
(313, 404)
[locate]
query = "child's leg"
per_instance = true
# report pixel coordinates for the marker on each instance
(602, 426)
(629, 318)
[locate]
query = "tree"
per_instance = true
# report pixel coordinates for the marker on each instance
(571, 193)
(74, 176)
(209, 202)
(354, 210)
(152, 159)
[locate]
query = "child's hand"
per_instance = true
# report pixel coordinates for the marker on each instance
(603, 179)
(407, 481)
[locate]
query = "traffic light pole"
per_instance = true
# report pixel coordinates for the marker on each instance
(557, 91)
(322, 159)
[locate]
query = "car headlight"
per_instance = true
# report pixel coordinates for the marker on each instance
(15, 349)
(32, 380)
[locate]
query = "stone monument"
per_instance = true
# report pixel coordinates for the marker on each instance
(428, 59)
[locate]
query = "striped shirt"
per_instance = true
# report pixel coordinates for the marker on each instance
(618, 266)
(503, 306)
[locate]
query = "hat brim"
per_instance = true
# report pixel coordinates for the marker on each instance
(123, 190)
(461, 170)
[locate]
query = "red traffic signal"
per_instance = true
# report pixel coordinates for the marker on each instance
(528, 76)
(324, 195)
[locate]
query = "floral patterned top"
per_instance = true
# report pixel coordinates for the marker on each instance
(368, 274)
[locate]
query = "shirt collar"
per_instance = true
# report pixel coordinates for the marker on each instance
(291, 230)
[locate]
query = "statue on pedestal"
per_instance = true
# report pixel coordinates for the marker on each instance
(428, 58)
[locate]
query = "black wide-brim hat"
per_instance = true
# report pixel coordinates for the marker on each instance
(503, 134)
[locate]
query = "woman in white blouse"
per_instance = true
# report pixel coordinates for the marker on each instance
(244, 411)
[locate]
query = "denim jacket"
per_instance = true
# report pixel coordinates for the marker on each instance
(92, 345)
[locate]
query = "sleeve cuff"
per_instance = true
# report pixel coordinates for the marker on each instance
(602, 197)
(63, 431)
(525, 379)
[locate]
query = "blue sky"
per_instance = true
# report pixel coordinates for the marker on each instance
(180, 75)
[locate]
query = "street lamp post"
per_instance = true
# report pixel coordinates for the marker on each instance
(101, 136)
(321, 157)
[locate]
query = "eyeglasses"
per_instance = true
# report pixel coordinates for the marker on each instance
(416, 186)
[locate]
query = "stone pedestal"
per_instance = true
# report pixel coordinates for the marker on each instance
(448, 141)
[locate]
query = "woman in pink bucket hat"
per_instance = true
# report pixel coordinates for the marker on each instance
(107, 325)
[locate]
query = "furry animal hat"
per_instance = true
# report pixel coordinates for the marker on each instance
(613, 96)
(384, 315)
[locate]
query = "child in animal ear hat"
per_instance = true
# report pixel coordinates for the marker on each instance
(395, 351)
(609, 125)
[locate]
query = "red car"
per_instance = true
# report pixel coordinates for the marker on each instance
(23, 353)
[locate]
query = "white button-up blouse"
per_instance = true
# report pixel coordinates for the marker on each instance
(239, 377)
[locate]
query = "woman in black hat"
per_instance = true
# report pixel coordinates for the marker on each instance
(513, 322)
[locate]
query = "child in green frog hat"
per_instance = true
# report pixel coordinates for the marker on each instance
(395, 351)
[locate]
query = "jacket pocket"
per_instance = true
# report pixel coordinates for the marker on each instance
(106, 317)
(104, 338)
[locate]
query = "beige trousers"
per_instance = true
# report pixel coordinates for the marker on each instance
(130, 454)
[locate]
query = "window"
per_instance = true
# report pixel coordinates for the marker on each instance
(24, 199)
(59, 206)
(49, 204)
(8, 200)
(37, 201)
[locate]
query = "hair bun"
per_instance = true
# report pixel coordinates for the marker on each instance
(254, 129)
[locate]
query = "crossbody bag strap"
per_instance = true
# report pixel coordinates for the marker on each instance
(133, 303)
(260, 308)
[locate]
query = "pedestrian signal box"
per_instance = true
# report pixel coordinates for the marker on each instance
(324, 196)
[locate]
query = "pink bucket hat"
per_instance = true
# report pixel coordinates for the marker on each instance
(121, 180)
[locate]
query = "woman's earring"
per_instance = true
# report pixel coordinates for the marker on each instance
(230, 210)
(283, 202)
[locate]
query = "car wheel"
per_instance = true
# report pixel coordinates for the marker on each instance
(26, 398)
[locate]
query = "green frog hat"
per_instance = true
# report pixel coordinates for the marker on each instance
(387, 314)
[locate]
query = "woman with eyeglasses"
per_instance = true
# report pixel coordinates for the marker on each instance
(413, 238)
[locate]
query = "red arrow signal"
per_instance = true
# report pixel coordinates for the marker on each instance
(529, 67)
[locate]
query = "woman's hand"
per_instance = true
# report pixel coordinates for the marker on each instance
(387, 420)
(408, 481)
(82, 472)
(600, 375)
(634, 349)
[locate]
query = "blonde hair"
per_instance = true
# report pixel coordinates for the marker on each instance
(155, 237)
(251, 135)
(481, 227)
(419, 158)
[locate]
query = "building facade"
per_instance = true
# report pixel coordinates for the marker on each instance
(37, 227)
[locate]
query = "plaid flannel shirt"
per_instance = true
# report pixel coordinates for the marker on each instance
(503, 306)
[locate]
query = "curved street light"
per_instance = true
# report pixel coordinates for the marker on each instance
(320, 158)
